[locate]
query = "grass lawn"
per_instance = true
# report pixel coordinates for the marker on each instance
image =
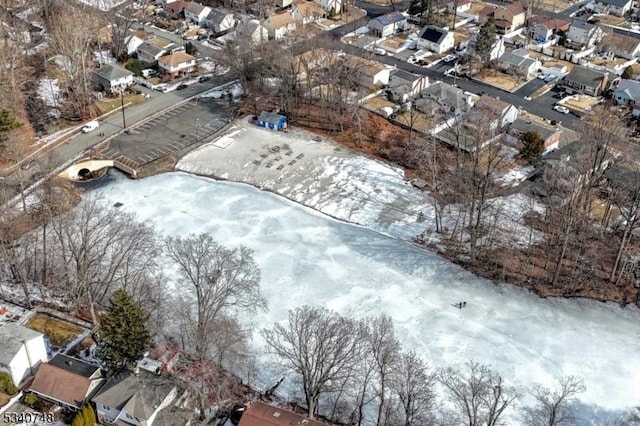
(377, 103)
(4, 398)
(554, 5)
(580, 102)
(421, 122)
(499, 79)
(59, 332)
(107, 105)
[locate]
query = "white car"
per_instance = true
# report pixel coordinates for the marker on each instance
(542, 76)
(90, 126)
(561, 109)
(379, 51)
(449, 58)
(412, 60)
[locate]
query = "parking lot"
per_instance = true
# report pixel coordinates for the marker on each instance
(187, 124)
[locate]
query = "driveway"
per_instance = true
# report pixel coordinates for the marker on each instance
(530, 88)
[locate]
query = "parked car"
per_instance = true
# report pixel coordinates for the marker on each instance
(379, 51)
(412, 59)
(202, 37)
(561, 109)
(204, 78)
(182, 87)
(90, 126)
(449, 58)
(146, 73)
(542, 76)
(550, 77)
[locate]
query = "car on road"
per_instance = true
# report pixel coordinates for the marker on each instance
(379, 51)
(182, 87)
(90, 126)
(561, 109)
(204, 78)
(449, 58)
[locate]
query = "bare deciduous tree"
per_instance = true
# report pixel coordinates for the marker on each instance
(216, 280)
(318, 345)
(479, 394)
(553, 405)
(415, 388)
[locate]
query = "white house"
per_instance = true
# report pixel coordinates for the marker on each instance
(135, 399)
(583, 34)
(113, 78)
(150, 52)
(627, 93)
(305, 12)
(196, 12)
(252, 29)
(177, 64)
(279, 25)
(435, 39)
(499, 113)
(219, 20)
(519, 63)
(458, 6)
(404, 85)
(22, 350)
(368, 74)
(387, 25)
(614, 7)
(334, 7)
(132, 43)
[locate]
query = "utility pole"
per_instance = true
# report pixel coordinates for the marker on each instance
(124, 121)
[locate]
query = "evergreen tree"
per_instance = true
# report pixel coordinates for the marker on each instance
(7, 122)
(627, 73)
(123, 336)
(486, 39)
(532, 146)
(85, 417)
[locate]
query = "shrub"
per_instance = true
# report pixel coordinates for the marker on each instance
(30, 399)
(6, 384)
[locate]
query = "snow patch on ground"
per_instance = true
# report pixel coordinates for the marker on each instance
(103, 5)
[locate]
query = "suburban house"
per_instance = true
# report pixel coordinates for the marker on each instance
(549, 134)
(196, 12)
(500, 113)
(177, 64)
(486, 13)
(519, 63)
(279, 25)
(333, 7)
(252, 29)
(404, 85)
(583, 34)
(369, 74)
(176, 7)
(219, 20)
(621, 45)
(585, 80)
(458, 6)
(497, 49)
(614, 7)
(546, 27)
(435, 39)
(387, 25)
(306, 12)
(133, 399)
(67, 381)
(509, 18)
(132, 42)
(271, 121)
(22, 350)
(627, 93)
(113, 78)
(443, 99)
(150, 52)
(261, 414)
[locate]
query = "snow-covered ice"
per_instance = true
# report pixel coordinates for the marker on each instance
(309, 258)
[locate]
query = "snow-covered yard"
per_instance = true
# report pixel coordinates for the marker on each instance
(103, 5)
(309, 258)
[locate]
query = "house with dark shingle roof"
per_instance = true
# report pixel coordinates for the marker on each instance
(261, 414)
(585, 80)
(614, 7)
(549, 134)
(583, 34)
(441, 97)
(22, 350)
(387, 25)
(219, 20)
(519, 63)
(196, 12)
(435, 39)
(149, 52)
(113, 78)
(404, 85)
(67, 381)
(621, 45)
(627, 93)
(136, 399)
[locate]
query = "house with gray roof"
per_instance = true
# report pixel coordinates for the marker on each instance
(549, 134)
(149, 52)
(627, 93)
(614, 7)
(219, 20)
(196, 12)
(444, 97)
(519, 63)
(436, 39)
(22, 350)
(387, 25)
(134, 398)
(113, 78)
(583, 34)
(585, 80)
(404, 85)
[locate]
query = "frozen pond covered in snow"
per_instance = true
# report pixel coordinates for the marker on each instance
(308, 258)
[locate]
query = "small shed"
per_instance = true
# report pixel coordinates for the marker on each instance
(272, 121)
